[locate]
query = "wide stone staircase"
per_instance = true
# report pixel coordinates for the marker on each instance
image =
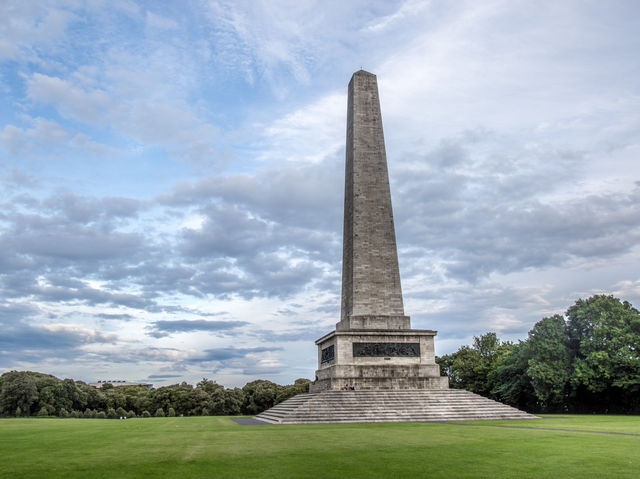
(389, 406)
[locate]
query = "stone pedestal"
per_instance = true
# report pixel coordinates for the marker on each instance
(377, 359)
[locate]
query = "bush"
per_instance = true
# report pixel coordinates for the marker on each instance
(146, 413)
(88, 413)
(111, 413)
(131, 414)
(120, 412)
(43, 412)
(101, 415)
(159, 412)
(63, 413)
(172, 412)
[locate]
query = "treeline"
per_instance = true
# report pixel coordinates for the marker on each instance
(26, 393)
(587, 361)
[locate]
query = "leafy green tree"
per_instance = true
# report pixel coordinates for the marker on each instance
(511, 385)
(111, 413)
(121, 412)
(604, 336)
(471, 368)
(184, 398)
(259, 396)
(18, 389)
(209, 386)
(226, 401)
(549, 366)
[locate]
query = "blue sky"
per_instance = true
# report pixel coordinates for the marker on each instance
(172, 174)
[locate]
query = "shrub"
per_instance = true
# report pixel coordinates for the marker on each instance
(88, 413)
(159, 412)
(63, 413)
(43, 411)
(172, 412)
(146, 413)
(101, 415)
(120, 412)
(131, 414)
(111, 413)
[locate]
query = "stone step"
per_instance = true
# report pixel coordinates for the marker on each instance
(388, 406)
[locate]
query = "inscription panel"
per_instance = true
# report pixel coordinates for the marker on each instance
(380, 350)
(328, 354)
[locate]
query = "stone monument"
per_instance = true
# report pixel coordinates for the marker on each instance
(373, 346)
(374, 367)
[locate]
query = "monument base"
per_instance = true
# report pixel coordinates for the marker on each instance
(377, 360)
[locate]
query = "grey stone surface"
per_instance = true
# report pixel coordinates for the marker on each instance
(389, 406)
(370, 273)
(378, 372)
(372, 307)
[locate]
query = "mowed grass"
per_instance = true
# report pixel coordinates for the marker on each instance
(217, 447)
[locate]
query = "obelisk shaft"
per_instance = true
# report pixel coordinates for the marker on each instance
(370, 274)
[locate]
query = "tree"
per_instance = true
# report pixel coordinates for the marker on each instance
(471, 368)
(511, 384)
(208, 386)
(259, 396)
(549, 366)
(226, 402)
(18, 389)
(604, 336)
(171, 412)
(159, 413)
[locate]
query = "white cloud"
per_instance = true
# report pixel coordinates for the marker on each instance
(70, 100)
(160, 22)
(29, 25)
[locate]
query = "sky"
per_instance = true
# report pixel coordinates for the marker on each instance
(172, 175)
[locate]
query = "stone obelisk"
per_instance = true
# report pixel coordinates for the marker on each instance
(373, 346)
(371, 291)
(388, 368)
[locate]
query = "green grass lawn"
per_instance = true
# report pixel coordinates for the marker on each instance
(216, 447)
